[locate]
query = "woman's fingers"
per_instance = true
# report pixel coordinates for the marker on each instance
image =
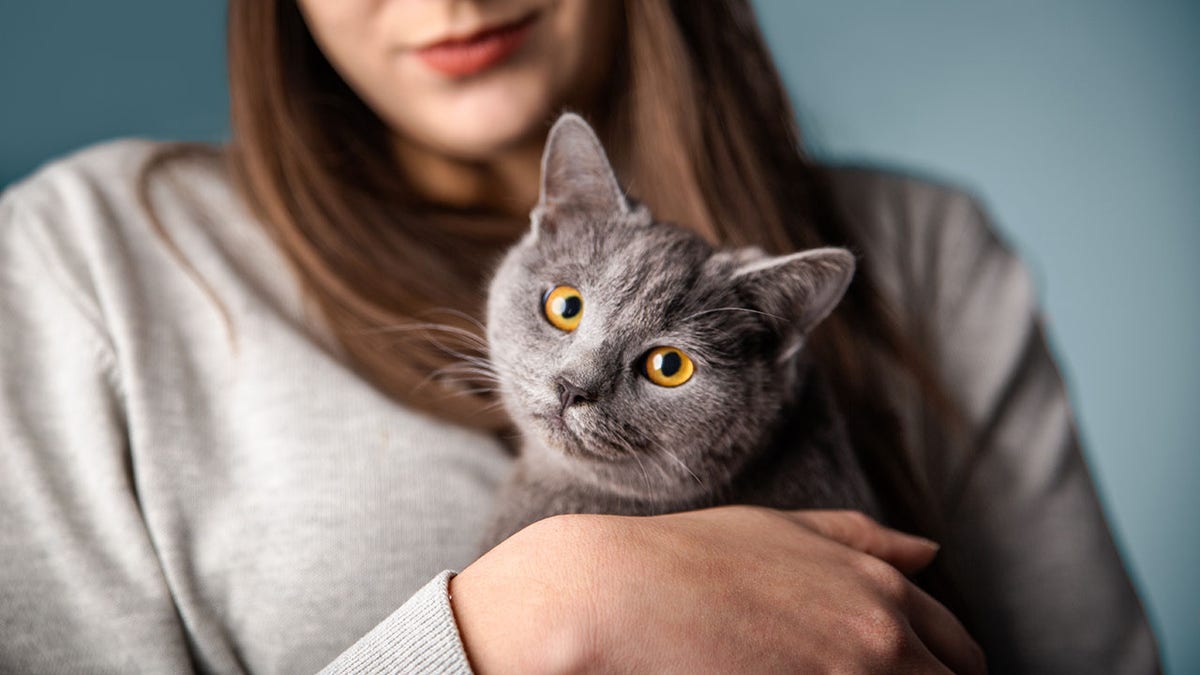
(942, 633)
(937, 628)
(907, 553)
(924, 661)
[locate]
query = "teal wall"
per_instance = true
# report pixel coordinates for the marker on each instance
(1077, 122)
(74, 72)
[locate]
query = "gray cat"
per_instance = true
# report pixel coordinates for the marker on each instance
(649, 373)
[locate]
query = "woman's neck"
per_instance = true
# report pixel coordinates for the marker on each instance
(507, 184)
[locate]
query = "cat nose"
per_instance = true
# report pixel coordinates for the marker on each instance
(569, 393)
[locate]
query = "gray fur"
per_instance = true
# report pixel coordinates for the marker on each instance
(753, 425)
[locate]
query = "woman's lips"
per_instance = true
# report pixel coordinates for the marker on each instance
(460, 57)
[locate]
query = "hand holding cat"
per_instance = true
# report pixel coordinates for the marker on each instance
(729, 589)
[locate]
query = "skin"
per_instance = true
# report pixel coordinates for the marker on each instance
(730, 589)
(473, 141)
(724, 590)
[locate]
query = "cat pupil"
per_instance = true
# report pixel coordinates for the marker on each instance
(669, 363)
(569, 307)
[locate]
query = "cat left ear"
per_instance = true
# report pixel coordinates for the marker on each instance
(577, 178)
(799, 290)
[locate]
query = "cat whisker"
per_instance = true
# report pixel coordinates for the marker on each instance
(432, 327)
(451, 383)
(471, 392)
(685, 466)
(465, 360)
(487, 364)
(463, 351)
(468, 382)
(462, 315)
(473, 368)
(734, 309)
(645, 476)
(447, 374)
(466, 356)
(494, 405)
(466, 369)
(431, 332)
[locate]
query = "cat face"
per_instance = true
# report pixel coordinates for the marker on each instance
(632, 352)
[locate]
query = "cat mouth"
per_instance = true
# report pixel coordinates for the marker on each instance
(557, 432)
(556, 426)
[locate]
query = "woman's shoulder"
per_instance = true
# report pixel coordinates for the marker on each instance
(906, 213)
(107, 176)
(958, 288)
(141, 219)
(104, 189)
(931, 244)
(85, 217)
(109, 159)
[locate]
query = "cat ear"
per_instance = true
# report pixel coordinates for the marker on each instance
(798, 290)
(577, 178)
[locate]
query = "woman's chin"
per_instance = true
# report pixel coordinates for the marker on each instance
(484, 121)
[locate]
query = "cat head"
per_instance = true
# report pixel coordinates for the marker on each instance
(631, 351)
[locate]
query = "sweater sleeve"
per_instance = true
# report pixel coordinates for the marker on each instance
(80, 585)
(1043, 577)
(82, 588)
(420, 637)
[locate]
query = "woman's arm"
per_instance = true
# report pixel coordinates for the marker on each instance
(1051, 594)
(1044, 584)
(80, 585)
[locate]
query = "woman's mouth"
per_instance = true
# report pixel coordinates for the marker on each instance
(472, 54)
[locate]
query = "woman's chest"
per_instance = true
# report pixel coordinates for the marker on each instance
(293, 507)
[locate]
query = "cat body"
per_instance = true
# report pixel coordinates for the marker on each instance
(648, 372)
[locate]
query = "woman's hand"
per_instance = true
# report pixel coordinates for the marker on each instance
(730, 589)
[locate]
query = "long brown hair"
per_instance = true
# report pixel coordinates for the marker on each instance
(698, 124)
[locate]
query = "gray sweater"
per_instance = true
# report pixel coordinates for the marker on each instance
(196, 485)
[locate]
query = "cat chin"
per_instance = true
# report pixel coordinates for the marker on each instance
(556, 434)
(557, 451)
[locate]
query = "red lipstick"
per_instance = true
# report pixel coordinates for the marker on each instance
(460, 57)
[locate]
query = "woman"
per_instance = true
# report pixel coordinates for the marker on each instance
(227, 447)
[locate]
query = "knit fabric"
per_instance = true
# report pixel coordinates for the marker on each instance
(394, 647)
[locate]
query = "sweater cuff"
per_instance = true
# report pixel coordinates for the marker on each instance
(420, 637)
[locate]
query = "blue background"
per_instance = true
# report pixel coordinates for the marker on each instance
(1076, 121)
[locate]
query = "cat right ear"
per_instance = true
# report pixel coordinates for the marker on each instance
(798, 290)
(577, 179)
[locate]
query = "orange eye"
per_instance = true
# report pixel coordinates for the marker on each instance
(563, 307)
(668, 367)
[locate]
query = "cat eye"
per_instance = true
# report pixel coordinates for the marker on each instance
(667, 367)
(563, 307)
